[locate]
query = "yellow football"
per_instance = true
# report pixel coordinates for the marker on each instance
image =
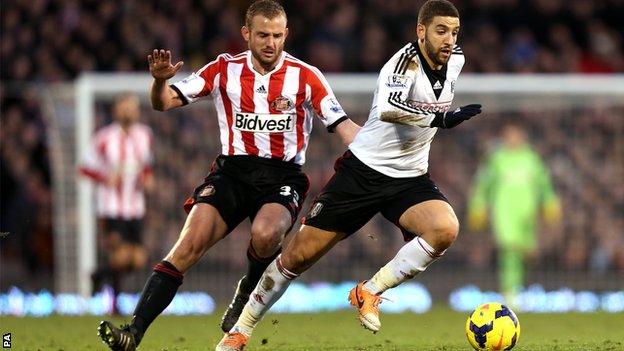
(493, 326)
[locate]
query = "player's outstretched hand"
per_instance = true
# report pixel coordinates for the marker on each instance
(160, 64)
(450, 119)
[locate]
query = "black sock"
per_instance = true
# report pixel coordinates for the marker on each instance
(99, 277)
(116, 284)
(157, 294)
(255, 268)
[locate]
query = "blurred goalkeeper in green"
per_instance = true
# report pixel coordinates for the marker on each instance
(514, 185)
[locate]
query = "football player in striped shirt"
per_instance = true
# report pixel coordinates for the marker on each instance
(266, 100)
(383, 171)
(119, 161)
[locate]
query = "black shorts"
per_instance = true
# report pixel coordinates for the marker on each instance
(238, 186)
(356, 192)
(128, 229)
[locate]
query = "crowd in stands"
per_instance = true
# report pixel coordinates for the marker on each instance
(25, 187)
(56, 40)
(51, 40)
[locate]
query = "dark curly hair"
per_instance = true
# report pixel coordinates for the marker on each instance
(433, 8)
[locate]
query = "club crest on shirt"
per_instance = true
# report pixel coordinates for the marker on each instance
(207, 191)
(282, 103)
(316, 209)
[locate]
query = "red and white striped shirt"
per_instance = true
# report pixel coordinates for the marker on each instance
(267, 115)
(127, 155)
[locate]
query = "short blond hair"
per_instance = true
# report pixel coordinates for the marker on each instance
(267, 8)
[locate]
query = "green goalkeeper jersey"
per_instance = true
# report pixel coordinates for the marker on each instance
(512, 183)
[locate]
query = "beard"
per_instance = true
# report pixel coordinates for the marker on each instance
(435, 55)
(264, 61)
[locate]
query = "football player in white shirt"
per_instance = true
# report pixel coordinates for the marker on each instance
(384, 170)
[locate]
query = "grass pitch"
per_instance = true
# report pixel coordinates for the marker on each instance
(439, 329)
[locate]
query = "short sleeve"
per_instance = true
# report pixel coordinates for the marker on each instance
(199, 84)
(394, 85)
(323, 100)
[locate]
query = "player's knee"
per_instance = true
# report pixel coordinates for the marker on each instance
(444, 232)
(294, 261)
(139, 258)
(113, 242)
(266, 238)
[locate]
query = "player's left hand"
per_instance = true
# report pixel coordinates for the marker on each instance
(552, 213)
(477, 219)
(450, 119)
(160, 65)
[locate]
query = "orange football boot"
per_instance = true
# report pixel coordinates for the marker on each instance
(233, 341)
(367, 305)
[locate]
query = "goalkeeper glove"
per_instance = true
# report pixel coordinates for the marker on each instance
(551, 212)
(477, 219)
(451, 119)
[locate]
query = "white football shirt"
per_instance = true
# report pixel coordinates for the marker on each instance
(403, 87)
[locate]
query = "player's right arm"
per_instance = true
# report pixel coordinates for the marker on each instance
(482, 187)
(551, 205)
(162, 96)
(396, 81)
(93, 166)
(328, 109)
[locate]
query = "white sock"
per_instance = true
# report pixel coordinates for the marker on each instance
(412, 258)
(270, 288)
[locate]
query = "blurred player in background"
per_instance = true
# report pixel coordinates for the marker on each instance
(512, 183)
(265, 100)
(120, 162)
(384, 170)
